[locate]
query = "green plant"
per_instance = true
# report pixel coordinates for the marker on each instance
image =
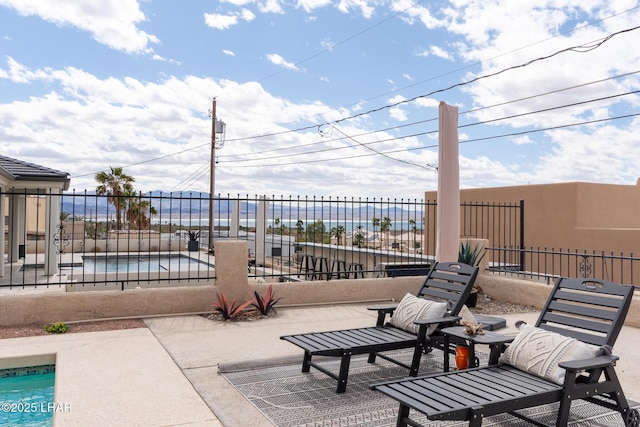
(193, 235)
(470, 256)
(266, 303)
(57, 328)
(228, 310)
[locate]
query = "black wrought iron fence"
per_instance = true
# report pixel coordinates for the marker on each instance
(80, 240)
(550, 264)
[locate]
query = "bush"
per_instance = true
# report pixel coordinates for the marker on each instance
(57, 328)
(228, 310)
(266, 303)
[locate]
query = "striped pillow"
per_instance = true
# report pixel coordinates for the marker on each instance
(539, 352)
(412, 308)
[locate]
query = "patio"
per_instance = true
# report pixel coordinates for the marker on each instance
(111, 375)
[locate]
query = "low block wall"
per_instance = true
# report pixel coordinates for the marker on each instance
(231, 279)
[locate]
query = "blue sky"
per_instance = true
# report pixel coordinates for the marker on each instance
(321, 97)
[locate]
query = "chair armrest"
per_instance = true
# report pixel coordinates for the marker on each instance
(386, 307)
(383, 310)
(586, 364)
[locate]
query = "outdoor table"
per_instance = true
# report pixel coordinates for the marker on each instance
(493, 339)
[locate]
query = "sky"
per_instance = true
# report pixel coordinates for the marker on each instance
(323, 98)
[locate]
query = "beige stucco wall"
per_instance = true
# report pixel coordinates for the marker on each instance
(232, 280)
(574, 215)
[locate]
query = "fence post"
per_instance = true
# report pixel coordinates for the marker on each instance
(522, 252)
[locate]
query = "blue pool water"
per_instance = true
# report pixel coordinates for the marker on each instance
(26, 399)
(142, 263)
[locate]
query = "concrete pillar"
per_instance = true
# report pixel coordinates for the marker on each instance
(54, 237)
(14, 227)
(261, 230)
(235, 219)
(231, 269)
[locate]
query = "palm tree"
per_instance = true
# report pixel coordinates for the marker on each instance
(385, 225)
(414, 230)
(115, 184)
(338, 231)
(376, 223)
(136, 213)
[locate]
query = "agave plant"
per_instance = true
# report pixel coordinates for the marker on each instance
(228, 310)
(266, 303)
(470, 256)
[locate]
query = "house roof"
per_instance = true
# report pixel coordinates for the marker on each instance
(18, 170)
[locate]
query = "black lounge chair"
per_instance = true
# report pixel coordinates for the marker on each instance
(587, 310)
(446, 282)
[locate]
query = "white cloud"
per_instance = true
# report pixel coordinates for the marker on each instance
(398, 114)
(276, 59)
(110, 22)
(220, 22)
(228, 52)
(345, 6)
(310, 5)
(522, 140)
(408, 77)
(440, 53)
(223, 22)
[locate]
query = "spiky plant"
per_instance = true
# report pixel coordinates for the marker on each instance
(266, 303)
(226, 309)
(470, 256)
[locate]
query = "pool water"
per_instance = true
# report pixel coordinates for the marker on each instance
(26, 398)
(143, 263)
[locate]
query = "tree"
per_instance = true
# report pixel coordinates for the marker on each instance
(414, 230)
(385, 226)
(376, 223)
(136, 213)
(338, 232)
(316, 231)
(358, 237)
(115, 184)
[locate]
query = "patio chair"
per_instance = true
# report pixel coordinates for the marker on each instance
(438, 302)
(564, 357)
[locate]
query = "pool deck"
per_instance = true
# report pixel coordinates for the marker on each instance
(167, 375)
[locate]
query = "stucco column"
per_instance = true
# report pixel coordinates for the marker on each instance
(261, 230)
(235, 219)
(53, 235)
(231, 269)
(15, 236)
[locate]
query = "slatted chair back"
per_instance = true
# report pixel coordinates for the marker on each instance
(592, 311)
(449, 281)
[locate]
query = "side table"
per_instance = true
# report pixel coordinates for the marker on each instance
(493, 339)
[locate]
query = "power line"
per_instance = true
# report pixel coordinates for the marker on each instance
(366, 145)
(587, 47)
(587, 122)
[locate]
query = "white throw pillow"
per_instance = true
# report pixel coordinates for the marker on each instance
(539, 352)
(412, 308)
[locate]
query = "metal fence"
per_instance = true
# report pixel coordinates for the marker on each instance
(168, 239)
(549, 264)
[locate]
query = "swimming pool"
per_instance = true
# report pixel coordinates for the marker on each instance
(139, 263)
(26, 396)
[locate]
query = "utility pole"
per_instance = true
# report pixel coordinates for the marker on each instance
(212, 173)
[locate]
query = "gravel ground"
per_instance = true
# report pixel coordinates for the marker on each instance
(485, 306)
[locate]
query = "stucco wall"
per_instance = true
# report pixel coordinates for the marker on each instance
(574, 215)
(232, 279)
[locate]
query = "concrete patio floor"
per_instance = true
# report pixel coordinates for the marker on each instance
(167, 375)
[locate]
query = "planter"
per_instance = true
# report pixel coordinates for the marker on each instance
(193, 245)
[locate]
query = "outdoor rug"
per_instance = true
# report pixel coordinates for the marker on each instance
(291, 398)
